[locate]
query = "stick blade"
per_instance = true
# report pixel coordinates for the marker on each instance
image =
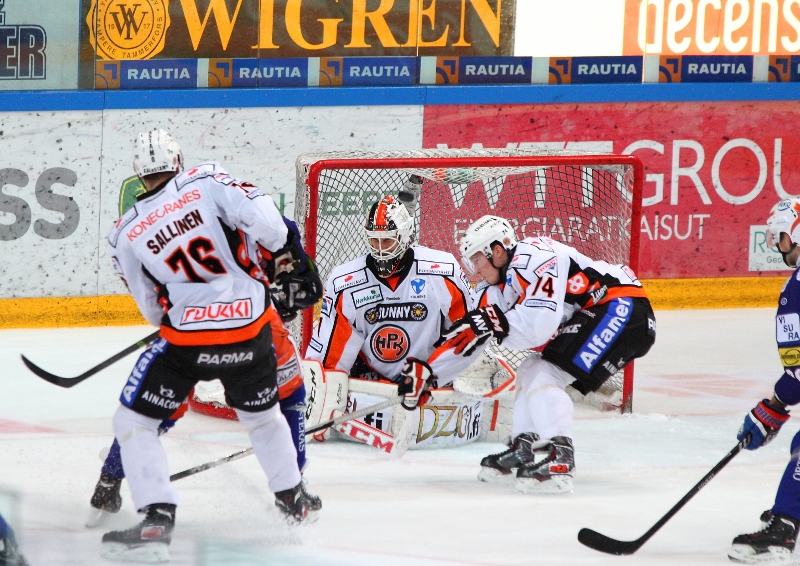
(602, 543)
(47, 376)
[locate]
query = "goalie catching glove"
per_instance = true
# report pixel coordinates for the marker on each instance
(762, 424)
(415, 379)
(476, 328)
(296, 284)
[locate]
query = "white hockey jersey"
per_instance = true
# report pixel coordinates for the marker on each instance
(385, 321)
(187, 253)
(546, 283)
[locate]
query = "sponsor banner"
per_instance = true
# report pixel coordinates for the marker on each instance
(38, 45)
(704, 27)
(265, 29)
(154, 74)
(784, 69)
(593, 70)
(705, 69)
(761, 256)
(49, 205)
(485, 70)
(367, 71)
(712, 170)
(250, 73)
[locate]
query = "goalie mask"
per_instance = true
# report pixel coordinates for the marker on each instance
(388, 233)
(784, 218)
(156, 151)
(480, 236)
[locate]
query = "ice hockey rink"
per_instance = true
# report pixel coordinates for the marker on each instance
(706, 370)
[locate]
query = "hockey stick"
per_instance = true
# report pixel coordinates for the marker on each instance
(601, 542)
(72, 381)
(246, 452)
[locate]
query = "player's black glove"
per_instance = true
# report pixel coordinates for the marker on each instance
(762, 424)
(415, 379)
(296, 284)
(476, 328)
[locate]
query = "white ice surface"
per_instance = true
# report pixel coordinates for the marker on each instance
(706, 370)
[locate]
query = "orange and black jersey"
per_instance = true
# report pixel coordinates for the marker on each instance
(381, 322)
(546, 283)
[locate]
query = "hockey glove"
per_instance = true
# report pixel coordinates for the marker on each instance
(409, 194)
(476, 328)
(297, 291)
(762, 424)
(415, 379)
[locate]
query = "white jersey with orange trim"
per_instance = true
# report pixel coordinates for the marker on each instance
(383, 322)
(187, 252)
(546, 283)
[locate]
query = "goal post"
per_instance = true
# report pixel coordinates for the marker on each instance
(591, 201)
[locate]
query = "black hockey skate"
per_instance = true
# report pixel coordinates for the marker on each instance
(9, 554)
(146, 542)
(313, 502)
(105, 499)
(293, 504)
(500, 466)
(551, 475)
(774, 543)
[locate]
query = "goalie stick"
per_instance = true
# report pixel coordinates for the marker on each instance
(72, 381)
(602, 543)
(322, 426)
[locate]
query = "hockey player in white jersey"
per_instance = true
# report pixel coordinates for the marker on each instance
(383, 312)
(593, 317)
(188, 253)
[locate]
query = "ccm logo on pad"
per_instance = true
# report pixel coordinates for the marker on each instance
(218, 312)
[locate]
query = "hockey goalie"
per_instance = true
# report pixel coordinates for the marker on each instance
(381, 318)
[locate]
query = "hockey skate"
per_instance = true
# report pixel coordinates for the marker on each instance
(293, 504)
(499, 467)
(774, 543)
(105, 499)
(146, 542)
(9, 554)
(553, 474)
(313, 502)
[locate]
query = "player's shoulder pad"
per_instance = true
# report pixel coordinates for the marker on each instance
(434, 262)
(201, 171)
(130, 215)
(540, 258)
(349, 275)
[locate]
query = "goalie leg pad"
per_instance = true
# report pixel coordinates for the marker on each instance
(326, 395)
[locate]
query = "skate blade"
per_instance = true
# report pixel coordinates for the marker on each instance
(745, 554)
(554, 486)
(95, 517)
(149, 552)
(312, 517)
(491, 475)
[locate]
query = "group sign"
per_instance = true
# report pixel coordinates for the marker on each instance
(712, 172)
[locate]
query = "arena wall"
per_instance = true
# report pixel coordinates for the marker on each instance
(716, 159)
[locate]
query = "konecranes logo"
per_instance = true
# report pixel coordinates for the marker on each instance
(128, 29)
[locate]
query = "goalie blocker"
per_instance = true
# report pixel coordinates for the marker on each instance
(477, 407)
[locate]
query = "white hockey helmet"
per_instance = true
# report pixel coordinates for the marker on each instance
(480, 236)
(156, 151)
(388, 219)
(784, 218)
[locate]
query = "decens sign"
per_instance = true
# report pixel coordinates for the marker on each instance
(719, 27)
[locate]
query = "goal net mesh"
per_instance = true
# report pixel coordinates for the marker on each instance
(585, 200)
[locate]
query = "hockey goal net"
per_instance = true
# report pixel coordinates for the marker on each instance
(587, 200)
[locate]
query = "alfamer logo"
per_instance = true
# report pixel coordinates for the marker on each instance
(128, 29)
